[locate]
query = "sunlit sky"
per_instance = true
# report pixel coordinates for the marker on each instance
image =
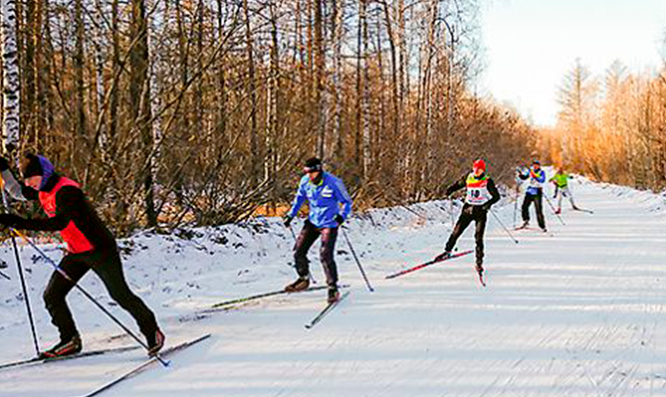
(530, 45)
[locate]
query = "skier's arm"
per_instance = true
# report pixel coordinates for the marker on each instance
(298, 200)
(457, 185)
(494, 193)
(68, 201)
(343, 198)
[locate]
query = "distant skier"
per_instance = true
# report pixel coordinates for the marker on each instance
(325, 193)
(90, 245)
(561, 182)
(536, 178)
(481, 194)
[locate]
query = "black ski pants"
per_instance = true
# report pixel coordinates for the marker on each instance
(537, 199)
(305, 240)
(470, 213)
(107, 265)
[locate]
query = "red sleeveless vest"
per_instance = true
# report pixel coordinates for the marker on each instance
(76, 241)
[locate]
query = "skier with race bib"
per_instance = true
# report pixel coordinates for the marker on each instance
(561, 182)
(324, 193)
(536, 179)
(481, 194)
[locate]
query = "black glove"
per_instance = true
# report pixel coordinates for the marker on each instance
(338, 218)
(4, 164)
(468, 210)
(287, 220)
(486, 207)
(8, 220)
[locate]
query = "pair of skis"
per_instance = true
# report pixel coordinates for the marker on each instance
(132, 372)
(227, 305)
(146, 364)
(39, 360)
(435, 261)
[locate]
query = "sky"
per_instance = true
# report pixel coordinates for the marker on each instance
(529, 45)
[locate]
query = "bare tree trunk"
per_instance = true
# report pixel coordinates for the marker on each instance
(338, 31)
(368, 160)
(28, 107)
(140, 103)
(198, 99)
(272, 101)
(221, 133)
(249, 43)
(11, 111)
(320, 94)
(361, 76)
(79, 67)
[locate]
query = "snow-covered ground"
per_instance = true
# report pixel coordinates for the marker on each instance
(578, 313)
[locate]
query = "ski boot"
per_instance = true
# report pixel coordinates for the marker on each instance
(64, 348)
(302, 283)
(333, 294)
(155, 342)
(525, 225)
(443, 256)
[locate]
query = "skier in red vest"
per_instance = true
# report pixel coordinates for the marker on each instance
(90, 245)
(480, 195)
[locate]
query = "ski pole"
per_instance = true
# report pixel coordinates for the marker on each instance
(553, 208)
(351, 248)
(515, 205)
(87, 295)
(4, 276)
(502, 224)
(31, 320)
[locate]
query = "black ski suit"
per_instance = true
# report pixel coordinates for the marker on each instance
(104, 259)
(476, 213)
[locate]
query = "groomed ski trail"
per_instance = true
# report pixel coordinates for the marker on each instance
(577, 314)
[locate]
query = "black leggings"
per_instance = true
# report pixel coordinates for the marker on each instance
(308, 236)
(470, 213)
(538, 205)
(108, 267)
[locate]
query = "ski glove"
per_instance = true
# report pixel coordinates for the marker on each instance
(339, 219)
(4, 164)
(287, 220)
(486, 207)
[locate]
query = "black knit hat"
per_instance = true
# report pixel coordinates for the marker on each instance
(32, 166)
(313, 164)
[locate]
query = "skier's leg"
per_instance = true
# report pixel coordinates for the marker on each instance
(56, 291)
(538, 203)
(328, 238)
(526, 207)
(109, 268)
(481, 220)
(463, 221)
(560, 194)
(305, 239)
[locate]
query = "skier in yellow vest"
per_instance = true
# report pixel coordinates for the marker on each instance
(561, 182)
(480, 196)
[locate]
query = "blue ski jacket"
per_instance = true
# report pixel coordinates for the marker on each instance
(324, 199)
(536, 181)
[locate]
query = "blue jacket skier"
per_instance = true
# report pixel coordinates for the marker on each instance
(325, 194)
(536, 179)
